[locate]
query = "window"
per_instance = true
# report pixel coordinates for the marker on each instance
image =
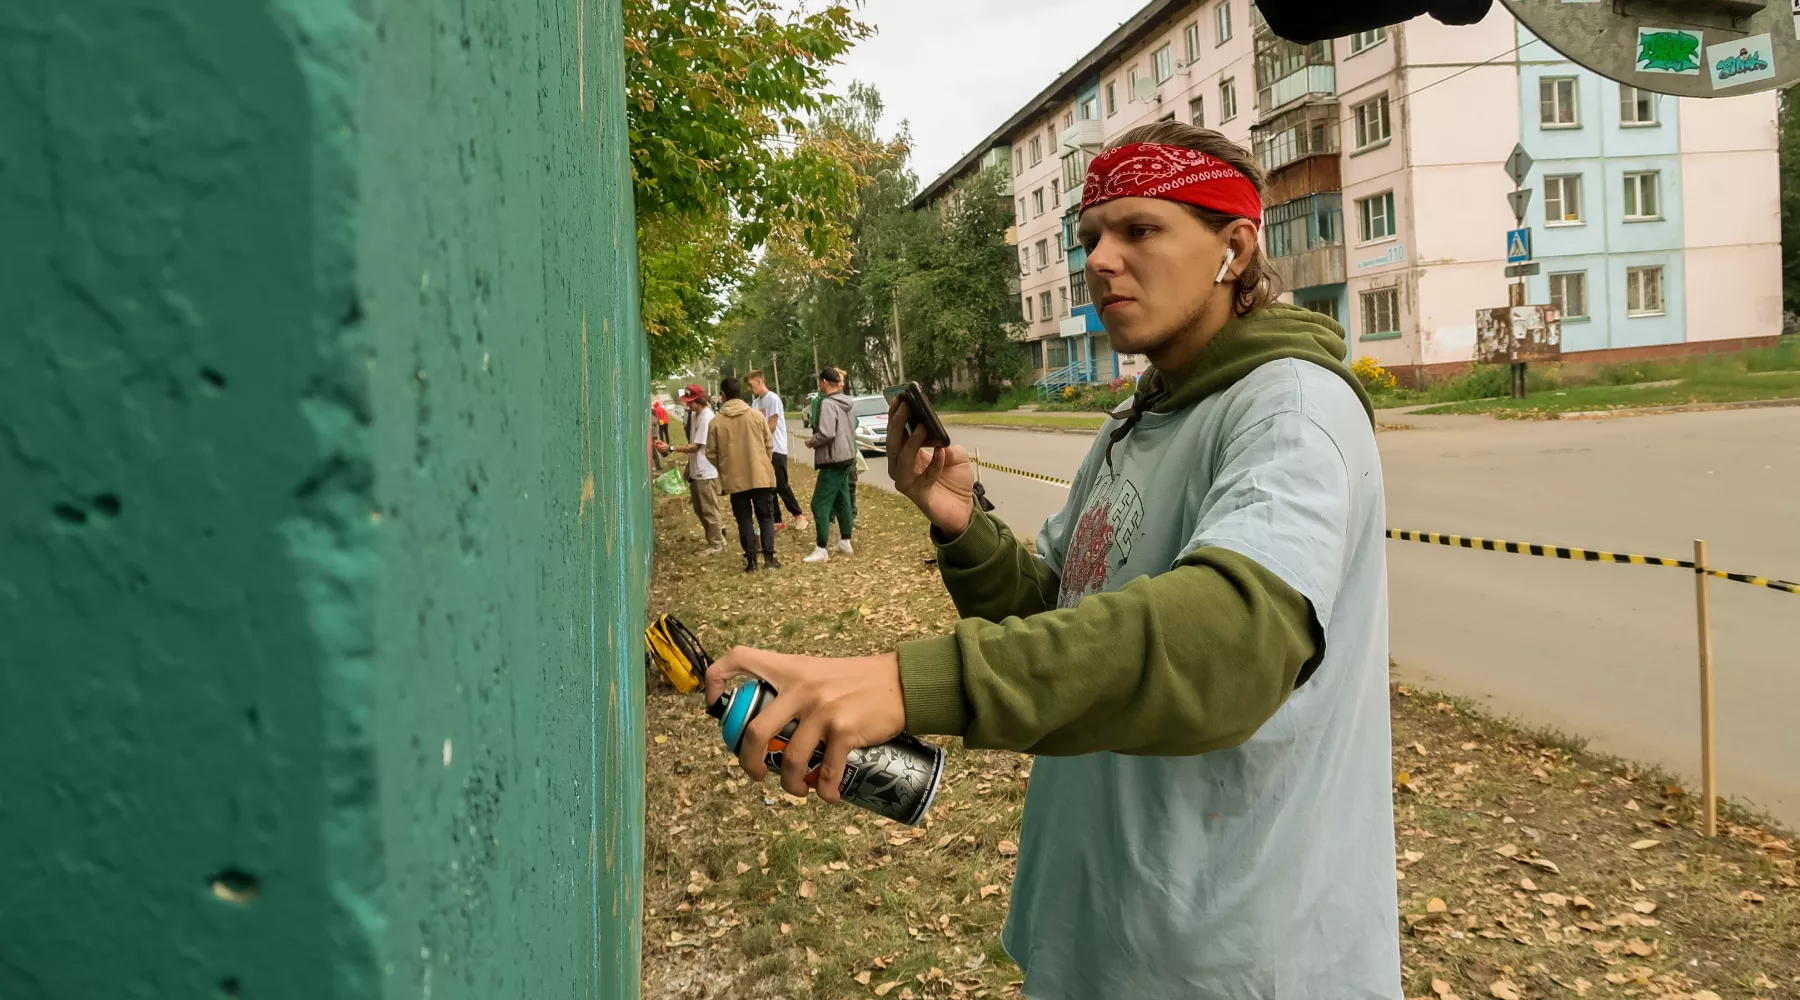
(1131, 80)
(1222, 23)
(1059, 250)
(1057, 352)
(1078, 293)
(1037, 150)
(1562, 200)
(1367, 40)
(1037, 203)
(1162, 64)
(1377, 216)
(1324, 307)
(1193, 43)
(1640, 195)
(1052, 133)
(1227, 100)
(1197, 112)
(1021, 211)
(1044, 304)
(1043, 255)
(1568, 293)
(1636, 107)
(1372, 122)
(1068, 120)
(1018, 162)
(1380, 312)
(1112, 99)
(1644, 291)
(1062, 300)
(1074, 170)
(1069, 241)
(1090, 109)
(1556, 103)
(1025, 264)
(1037, 354)
(1055, 192)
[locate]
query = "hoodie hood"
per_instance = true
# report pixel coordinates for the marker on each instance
(1248, 342)
(841, 399)
(733, 407)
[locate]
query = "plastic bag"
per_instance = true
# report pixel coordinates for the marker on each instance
(671, 483)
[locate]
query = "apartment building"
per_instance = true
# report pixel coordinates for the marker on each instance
(1655, 219)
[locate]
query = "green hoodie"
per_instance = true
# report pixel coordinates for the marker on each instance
(1245, 638)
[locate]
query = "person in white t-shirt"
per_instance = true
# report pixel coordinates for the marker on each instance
(702, 476)
(769, 405)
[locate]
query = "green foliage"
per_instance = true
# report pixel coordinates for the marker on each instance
(1104, 397)
(1788, 146)
(720, 95)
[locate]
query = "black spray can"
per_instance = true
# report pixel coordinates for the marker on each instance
(897, 779)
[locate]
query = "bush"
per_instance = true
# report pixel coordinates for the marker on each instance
(1102, 396)
(1376, 380)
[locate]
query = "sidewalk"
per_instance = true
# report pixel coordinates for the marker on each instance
(1526, 867)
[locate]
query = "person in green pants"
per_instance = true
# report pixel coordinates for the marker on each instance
(834, 456)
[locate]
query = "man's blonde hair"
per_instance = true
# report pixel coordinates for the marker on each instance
(755, 373)
(1258, 284)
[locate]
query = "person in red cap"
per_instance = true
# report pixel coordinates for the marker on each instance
(702, 475)
(1196, 649)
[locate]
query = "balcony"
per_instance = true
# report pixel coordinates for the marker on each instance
(1305, 82)
(1293, 135)
(1083, 134)
(1305, 238)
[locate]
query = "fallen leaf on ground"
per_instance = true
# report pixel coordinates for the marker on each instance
(989, 890)
(1546, 864)
(808, 890)
(1554, 899)
(863, 977)
(1436, 906)
(1640, 947)
(742, 868)
(1645, 845)
(1644, 906)
(1507, 850)
(1503, 990)
(1751, 896)
(885, 988)
(1008, 848)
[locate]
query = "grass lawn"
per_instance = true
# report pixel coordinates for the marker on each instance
(1042, 421)
(1526, 867)
(1710, 387)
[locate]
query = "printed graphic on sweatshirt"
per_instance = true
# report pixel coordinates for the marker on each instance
(1101, 541)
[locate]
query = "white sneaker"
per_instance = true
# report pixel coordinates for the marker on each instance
(844, 546)
(819, 555)
(713, 550)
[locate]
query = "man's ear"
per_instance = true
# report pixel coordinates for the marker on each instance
(1241, 237)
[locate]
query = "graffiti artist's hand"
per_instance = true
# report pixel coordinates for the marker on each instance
(842, 702)
(941, 483)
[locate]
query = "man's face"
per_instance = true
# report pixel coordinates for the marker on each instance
(693, 405)
(758, 387)
(1151, 267)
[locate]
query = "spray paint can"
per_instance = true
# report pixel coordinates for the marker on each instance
(897, 779)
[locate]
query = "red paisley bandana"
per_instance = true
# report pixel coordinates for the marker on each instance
(1172, 173)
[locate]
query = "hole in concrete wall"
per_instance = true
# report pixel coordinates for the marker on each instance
(108, 504)
(213, 377)
(69, 513)
(230, 987)
(234, 886)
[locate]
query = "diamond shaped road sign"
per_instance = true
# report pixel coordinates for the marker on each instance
(1518, 164)
(1519, 200)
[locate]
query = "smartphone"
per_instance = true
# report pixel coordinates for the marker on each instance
(918, 413)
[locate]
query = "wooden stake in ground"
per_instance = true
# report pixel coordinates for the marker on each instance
(1703, 607)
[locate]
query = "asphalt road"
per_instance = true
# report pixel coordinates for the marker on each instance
(1604, 651)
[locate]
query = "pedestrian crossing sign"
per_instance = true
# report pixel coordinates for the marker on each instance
(1518, 246)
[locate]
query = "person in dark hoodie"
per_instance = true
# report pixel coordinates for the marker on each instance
(1196, 650)
(834, 456)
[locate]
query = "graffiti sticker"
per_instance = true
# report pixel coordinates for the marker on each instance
(1669, 50)
(1746, 60)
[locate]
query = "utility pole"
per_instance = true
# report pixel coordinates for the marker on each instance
(899, 356)
(775, 366)
(816, 368)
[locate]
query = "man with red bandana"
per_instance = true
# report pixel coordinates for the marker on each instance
(1196, 650)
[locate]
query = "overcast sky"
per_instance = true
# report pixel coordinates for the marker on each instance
(955, 69)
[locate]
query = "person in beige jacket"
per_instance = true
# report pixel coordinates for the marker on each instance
(741, 446)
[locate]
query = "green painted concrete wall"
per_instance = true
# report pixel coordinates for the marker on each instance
(323, 513)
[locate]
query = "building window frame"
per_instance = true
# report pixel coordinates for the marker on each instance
(1037, 354)
(1639, 108)
(1037, 202)
(1555, 111)
(1380, 313)
(1374, 128)
(1222, 23)
(1062, 300)
(1089, 109)
(1112, 98)
(1566, 286)
(1078, 290)
(1363, 41)
(1642, 196)
(1018, 161)
(1024, 263)
(1227, 99)
(1037, 150)
(1197, 112)
(1375, 218)
(1191, 36)
(1043, 254)
(1044, 306)
(1563, 185)
(1025, 309)
(1162, 63)
(1644, 291)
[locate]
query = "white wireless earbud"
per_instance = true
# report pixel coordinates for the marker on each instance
(1225, 268)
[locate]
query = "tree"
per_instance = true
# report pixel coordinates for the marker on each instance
(1788, 145)
(718, 93)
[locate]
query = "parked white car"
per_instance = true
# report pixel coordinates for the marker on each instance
(871, 414)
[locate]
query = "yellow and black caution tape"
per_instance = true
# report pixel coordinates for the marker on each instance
(1052, 480)
(1496, 545)
(1582, 555)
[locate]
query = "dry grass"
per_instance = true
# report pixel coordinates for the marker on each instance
(1518, 872)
